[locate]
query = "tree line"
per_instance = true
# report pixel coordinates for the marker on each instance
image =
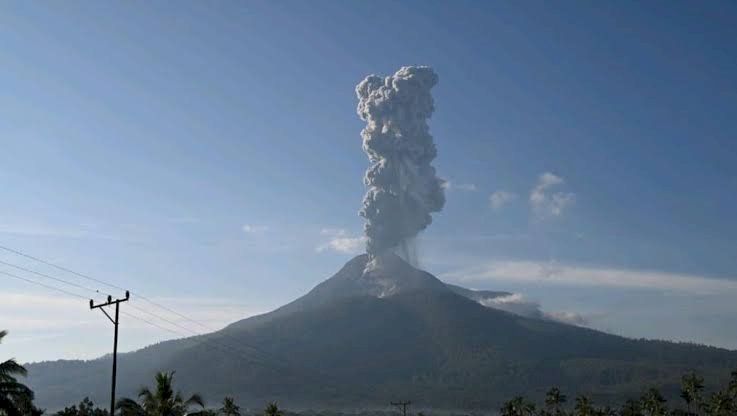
(696, 402)
(16, 399)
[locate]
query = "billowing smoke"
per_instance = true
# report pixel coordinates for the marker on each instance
(402, 187)
(519, 304)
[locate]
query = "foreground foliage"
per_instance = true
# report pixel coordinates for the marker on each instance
(721, 402)
(85, 408)
(15, 398)
(162, 401)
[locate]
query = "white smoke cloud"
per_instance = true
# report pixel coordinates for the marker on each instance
(518, 304)
(339, 241)
(515, 303)
(500, 198)
(572, 318)
(546, 203)
(403, 189)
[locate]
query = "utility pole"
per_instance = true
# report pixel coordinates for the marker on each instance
(115, 321)
(403, 405)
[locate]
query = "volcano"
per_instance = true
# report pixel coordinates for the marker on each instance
(383, 330)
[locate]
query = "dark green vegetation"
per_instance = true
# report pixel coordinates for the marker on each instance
(16, 399)
(162, 401)
(342, 346)
(695, 401)
(85, 408)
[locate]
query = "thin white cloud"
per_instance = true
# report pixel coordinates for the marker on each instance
(465, 187)
(58, 312)
(333, 232)
(500, 198)
(469, 187)
(554, 273)
(546, 203)
(339, 241)
(32, 318)
(33, 228)
(255, 229)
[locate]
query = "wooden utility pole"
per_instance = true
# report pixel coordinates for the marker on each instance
(115, 321)
(402, 405)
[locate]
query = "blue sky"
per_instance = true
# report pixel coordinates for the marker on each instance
(207, 154)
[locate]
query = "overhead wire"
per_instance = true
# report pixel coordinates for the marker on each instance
(249, 349)
(221, 346)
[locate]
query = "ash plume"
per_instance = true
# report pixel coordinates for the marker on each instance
(403, 189)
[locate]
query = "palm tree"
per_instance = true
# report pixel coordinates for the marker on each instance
(509, 408)
(161, 402)
(606, 411)
(691, 388)
(27, 408)
(229, 407)
(554, 399)
(85, 408)
(528, 409)
(517, 407)
(631, 408)
(14, 396)
(733, 385)
(654, 403)
(272, 409)
(720, 404)
(584, 406)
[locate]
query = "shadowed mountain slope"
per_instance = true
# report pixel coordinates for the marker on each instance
(376, 332)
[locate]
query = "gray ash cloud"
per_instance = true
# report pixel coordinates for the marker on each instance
(403, 189)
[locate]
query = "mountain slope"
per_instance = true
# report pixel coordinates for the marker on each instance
(362, 339)
(350, 281)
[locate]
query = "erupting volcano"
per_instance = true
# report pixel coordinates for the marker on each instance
(381, 328)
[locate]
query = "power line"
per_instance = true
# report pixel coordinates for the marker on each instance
(85, 276)
(15, 266)
(44, 275)
(222, 347)
(189, 338)
(230, 349)
(44, 285)
(239, 344)
(136, 294)
(195, 333)
(28, 256)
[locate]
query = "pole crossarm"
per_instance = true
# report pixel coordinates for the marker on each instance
(110, 301)
(402, 405)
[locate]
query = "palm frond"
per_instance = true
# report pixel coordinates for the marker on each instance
(129, 407)
(14, 388)
(195, 399)
(10, 368)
